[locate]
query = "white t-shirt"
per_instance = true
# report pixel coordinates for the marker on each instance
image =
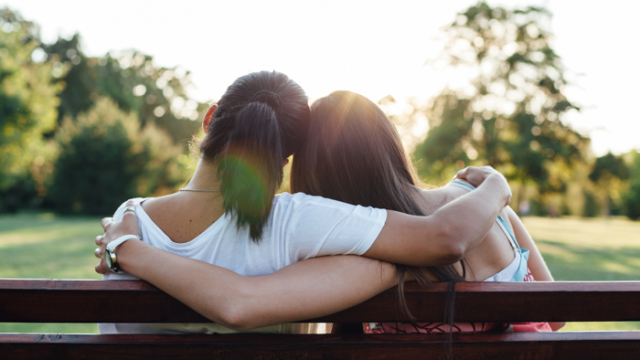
(300, 227)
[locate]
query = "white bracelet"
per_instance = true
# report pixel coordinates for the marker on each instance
(115, 243)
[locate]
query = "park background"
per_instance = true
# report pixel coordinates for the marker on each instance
(546, 98)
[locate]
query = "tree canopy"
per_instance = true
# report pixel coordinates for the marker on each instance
(28, 101)
(509, 115)
(132, 80)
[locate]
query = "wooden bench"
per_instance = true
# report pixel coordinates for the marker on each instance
(64, 301)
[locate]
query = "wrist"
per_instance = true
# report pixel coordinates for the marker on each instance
(497, 185)
(123, 252)
(111, 253)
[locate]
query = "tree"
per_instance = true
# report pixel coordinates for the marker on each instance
(106, 158)
(132, 80)
(509, 114)
(631, 199)
(27, 107)
(607, 170)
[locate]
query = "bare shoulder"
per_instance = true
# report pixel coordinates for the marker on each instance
(157, 202)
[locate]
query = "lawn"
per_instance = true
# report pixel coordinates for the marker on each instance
(50, 246)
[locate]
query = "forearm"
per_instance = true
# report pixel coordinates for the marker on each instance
(445, 236)
(466, 221)
(304, 290)
(188, 280)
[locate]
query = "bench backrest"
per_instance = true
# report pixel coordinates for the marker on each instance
(137, 301)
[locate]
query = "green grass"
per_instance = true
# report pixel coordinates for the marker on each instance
(589, 249)
(57, 247)
(52, 247)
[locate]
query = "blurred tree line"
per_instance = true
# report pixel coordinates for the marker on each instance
(81, 134)
(510, 115)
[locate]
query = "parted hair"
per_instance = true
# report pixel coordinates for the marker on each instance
(260, 121)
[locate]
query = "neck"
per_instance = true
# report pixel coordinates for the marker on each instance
(204, 178)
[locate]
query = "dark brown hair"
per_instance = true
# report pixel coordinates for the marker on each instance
(354, 154)
(260, 121)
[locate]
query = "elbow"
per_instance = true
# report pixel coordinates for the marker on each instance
(235, 318)
(239, 312)
(452, 253)
(452, 248)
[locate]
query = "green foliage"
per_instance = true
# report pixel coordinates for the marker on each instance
(133, 81)
(631, 200)
(41, 85)
(106, 158)
(591, 206)
(607, 167)
(538, 207)
(27, 106)
(607, 172)
(508, 115)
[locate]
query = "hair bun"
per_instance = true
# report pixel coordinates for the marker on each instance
(267, 97)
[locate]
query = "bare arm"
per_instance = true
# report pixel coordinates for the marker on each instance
(536, 263)
(240, 302)
(304, 290)
(449, 233)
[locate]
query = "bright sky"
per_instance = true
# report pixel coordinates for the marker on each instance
(375, 48)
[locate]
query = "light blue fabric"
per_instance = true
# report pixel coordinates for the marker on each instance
(504, 225)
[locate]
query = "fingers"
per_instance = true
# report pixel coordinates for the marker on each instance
(105, 223)
(462, 174)
(113, 230)
(100, 269)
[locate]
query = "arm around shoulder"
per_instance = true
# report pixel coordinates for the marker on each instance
(304, 290)
(448, 234)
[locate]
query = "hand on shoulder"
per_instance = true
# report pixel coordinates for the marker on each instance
(476, 176)
(114, 230)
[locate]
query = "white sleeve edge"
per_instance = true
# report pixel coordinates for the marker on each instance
(365, 244)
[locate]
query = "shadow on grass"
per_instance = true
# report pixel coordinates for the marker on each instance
(573, 263)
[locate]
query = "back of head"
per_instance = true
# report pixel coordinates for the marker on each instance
(260, 121)
(354, 154)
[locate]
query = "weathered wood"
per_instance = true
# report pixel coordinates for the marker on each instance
(587, 345)
(137, 301)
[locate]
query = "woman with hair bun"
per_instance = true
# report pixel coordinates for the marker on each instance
(232, 231)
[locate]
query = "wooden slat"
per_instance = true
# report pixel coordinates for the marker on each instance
(137, 301)
(588, 345)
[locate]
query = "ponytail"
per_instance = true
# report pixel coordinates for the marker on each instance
(260, 121)
(250, 168)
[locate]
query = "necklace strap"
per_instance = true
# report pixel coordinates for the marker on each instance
(196, 190)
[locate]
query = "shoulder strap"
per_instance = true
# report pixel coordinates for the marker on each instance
(463, 185)
(504, 225)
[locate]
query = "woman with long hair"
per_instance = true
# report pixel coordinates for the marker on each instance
(229, 215)
(354, 154)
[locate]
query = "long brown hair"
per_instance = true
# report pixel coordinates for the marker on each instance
(354, 154)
